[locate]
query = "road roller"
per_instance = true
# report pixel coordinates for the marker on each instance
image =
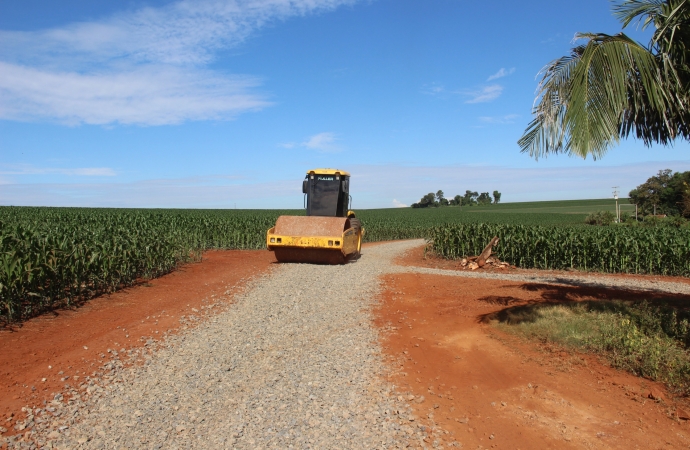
(329, 233)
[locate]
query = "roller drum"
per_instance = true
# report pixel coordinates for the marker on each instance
(310, 226)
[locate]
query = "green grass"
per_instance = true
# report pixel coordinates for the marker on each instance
(548, 213)
(647, 339)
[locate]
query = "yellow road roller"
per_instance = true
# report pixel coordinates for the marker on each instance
(329, 233)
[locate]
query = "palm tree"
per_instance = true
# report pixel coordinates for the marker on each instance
(611, 86)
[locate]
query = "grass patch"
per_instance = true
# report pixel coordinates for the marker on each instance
(648, 340)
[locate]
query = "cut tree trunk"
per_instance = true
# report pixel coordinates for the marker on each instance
(481, 260)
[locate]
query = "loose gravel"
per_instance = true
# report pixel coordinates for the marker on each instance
(591, 281)
(294, 363)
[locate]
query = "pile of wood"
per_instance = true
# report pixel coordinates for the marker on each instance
(485, 259)
(472, 263)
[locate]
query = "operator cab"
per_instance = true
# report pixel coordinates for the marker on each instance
(327, 192)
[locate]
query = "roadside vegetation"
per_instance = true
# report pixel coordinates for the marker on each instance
(637, 250)
(647, 339)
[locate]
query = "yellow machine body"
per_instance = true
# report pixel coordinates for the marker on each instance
(315, 238)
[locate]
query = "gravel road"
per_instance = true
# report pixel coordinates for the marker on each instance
(293, 363)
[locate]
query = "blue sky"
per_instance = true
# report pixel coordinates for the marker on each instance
(223, 104)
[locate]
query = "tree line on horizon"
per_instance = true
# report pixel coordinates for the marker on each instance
(470, 198)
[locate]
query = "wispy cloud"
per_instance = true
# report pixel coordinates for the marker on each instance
(433, 89)
(397, 204)
(484, 94)
(80, 171)
(501, 73)
(323, 142)
(477, 95)
(144, 67)
(507, 119)
(555, 39)
(151, 95)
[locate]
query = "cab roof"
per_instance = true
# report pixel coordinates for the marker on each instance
(328, 172)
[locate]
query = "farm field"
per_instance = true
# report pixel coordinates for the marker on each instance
(61, 256)
(579, 207)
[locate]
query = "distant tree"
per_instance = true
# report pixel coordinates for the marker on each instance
(439, 196)
(497, 196)
(426, 201)
(664, 193)
(457, 200)
(484, 198)
(470, 198)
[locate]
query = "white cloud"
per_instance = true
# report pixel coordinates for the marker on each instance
(145, 67)
(479, 95)
(182, 32)
(151, 95)
(397, 204)
(79, 171)
(502, 120)
(323, 142)
(501, 73)
(485, 94)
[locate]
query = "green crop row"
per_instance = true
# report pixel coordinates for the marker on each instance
(51, 256)
(663, 251)
(54, 256)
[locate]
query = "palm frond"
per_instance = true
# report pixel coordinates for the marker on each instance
(583, 97)
(644, 11)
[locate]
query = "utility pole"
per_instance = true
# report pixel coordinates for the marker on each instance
(615, 196)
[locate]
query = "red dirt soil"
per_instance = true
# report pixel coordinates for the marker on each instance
(68, 343)
(484, 388)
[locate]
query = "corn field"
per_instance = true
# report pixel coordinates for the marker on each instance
(60, 256)
(662, 251)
